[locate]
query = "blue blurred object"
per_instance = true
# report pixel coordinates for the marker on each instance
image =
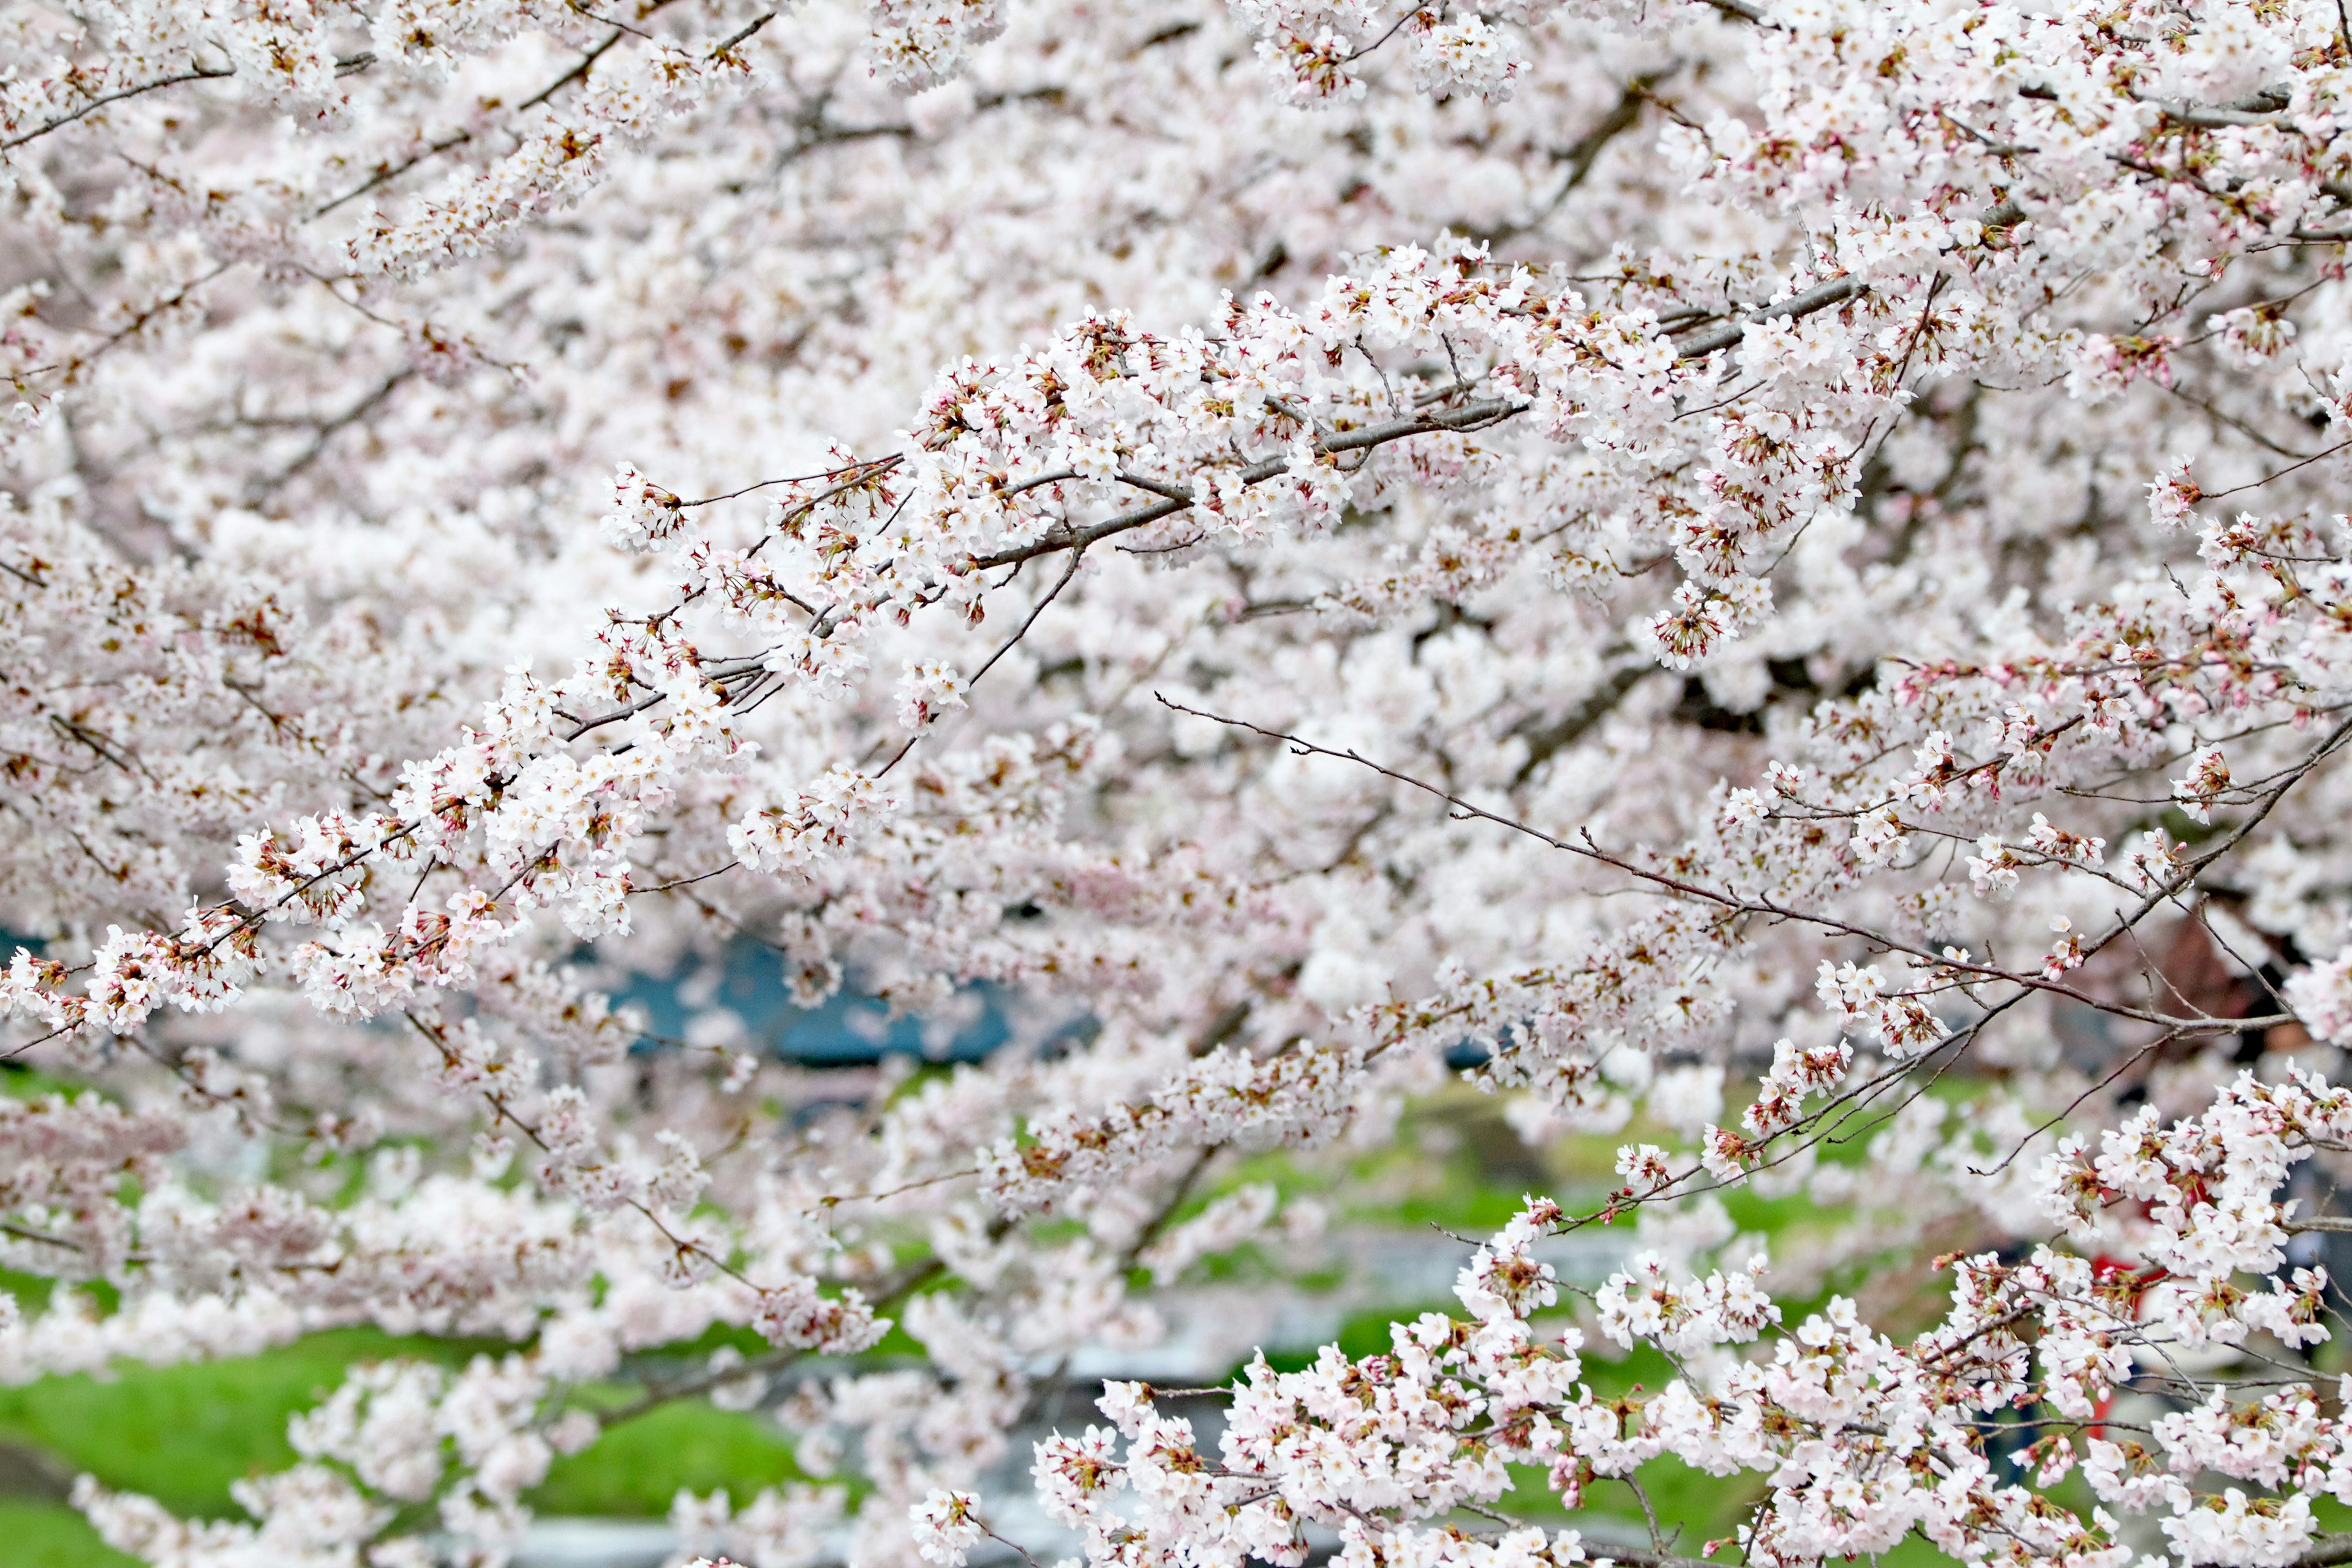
(848, 1030)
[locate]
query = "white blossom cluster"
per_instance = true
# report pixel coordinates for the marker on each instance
(1864, 1440)
(1754, 562)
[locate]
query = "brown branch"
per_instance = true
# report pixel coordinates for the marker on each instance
(2324, 1552)
(1740, 904)
(1469, 416)
(1820, 297)
(775, 1361)
(580, 68)
(199, 73)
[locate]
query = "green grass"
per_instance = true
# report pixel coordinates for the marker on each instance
(182, 1434)
(51, 1535)
(636, 1467)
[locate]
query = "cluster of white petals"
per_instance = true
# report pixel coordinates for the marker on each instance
(1768, 572)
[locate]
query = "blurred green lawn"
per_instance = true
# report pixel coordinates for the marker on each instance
(182, 1434)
